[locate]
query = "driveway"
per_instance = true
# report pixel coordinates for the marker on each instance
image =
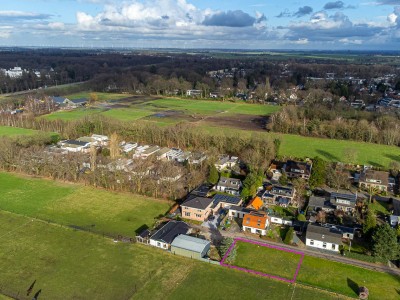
(217, 218)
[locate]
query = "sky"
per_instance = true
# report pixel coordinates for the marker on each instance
(233, 24)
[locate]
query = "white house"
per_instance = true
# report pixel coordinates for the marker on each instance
(74, 146)
(323, 238)
(256, 223)
(101, 140)
(229, 185)
(164, 237)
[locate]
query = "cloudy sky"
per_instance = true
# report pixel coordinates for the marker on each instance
(243, 24)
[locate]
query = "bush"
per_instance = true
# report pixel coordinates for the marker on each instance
(289, 236)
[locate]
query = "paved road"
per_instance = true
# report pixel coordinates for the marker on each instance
(218, 235)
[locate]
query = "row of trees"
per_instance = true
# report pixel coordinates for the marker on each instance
(383, 129)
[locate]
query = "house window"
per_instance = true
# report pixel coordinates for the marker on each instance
(324, 245)
(333, 247)
(158, 244)
(312, 242)
(187, 214)
(198, 216)
(165, 246)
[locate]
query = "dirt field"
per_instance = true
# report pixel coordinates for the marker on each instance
(245, 122)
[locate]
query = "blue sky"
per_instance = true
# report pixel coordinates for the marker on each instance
(251, 24)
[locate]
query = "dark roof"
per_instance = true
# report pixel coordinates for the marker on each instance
(231, 183)
(227, 199)
(75, 142)
(169, 231)
(319, 202)
(58, 100)
(297, 167)
(282, 200)
(144, 234)
(202, 190)
(198, 202)
(324, 234)
(79, 101)
(380, 177)
(282, 190)
(352, 198)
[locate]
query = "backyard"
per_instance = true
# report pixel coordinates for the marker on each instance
(265, 259)
(14, 131)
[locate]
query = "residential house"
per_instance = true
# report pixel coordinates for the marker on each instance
(256, 203)
(101, 140)
(279, 195)
(202, 190)
(317, 203)
(144, 237)
(163, 237)
(255, 222)
(174, 153)
(225, 201)
(323, 238)
(77, 102)
(183, 157)
(128, 147)
(194, 93)
(149, 152)
(74, 146)
(375, 179)
(238, 212)
(225, 162)
(229, 185)
(197, 158)
(162, 153)
(121, 164)
(344, 201)
(294, 169)
(197, 208)
(139, 150)
(190, 246)
(60, 101)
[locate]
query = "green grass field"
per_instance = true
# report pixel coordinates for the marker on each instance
(68, 264)
(98, 210)
(266, 260)
(204, 107)
(14, 131)
(70, 115)
(329, 275)
(346, 279)
(297, 146)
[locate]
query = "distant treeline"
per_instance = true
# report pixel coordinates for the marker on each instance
(320, 121)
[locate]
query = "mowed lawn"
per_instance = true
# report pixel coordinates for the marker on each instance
(68, 264)
(297, 146)
(266, 260)
(14, 131)
(75, 205)
(206, 107)
(71, 115)
(213, 282)
(346, 279)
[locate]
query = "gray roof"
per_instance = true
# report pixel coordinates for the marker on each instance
(231, 183)
(324, 234)
(79, 101)
(198, 202)
(190, 243)
(241, 208)
(318, 202)
(75, 143)
(169, 231)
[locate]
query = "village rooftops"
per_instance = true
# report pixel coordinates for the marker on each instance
(169, 231)
(198, 203)
(324, 234)
(343, 199)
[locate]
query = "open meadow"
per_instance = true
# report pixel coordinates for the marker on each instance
(14, 131)
(61, 258)
(78, 206)
(68, 264)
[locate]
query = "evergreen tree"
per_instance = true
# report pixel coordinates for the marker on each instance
(213, 176)
(289, 236)
(318, 172)
(369, 222)
(385, 243)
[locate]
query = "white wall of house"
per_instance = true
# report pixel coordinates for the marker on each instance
(236, 214)
(159, 244)
(322, 245)
(255, 230)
